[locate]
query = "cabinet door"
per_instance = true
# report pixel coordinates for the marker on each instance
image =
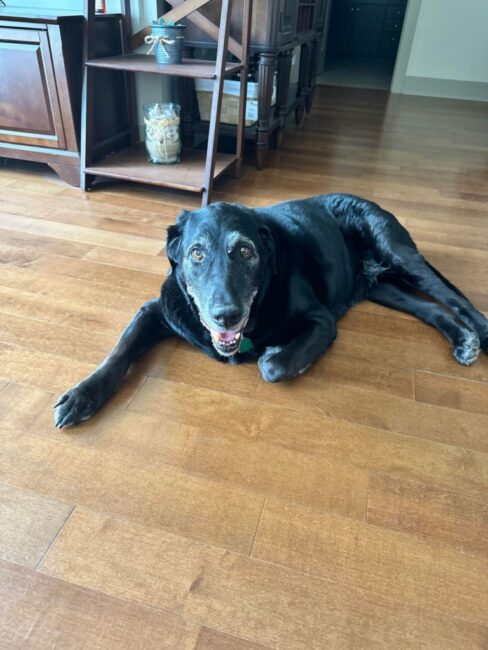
(29, 104)
(340, 30)
(367, 29)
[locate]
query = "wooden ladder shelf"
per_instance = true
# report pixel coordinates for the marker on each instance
(198, 169)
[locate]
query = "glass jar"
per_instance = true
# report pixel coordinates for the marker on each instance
(163, 144)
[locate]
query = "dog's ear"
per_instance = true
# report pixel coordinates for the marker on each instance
(173, 240)
(269, 244)
(173, 244)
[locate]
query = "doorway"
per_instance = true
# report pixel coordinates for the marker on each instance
(362, 43)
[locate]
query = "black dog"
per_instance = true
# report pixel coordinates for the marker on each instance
(276, 280)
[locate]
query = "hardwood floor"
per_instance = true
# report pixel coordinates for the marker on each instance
(203, 509)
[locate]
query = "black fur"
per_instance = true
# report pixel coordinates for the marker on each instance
(291, 271)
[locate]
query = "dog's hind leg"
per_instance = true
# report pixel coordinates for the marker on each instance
(392, 246)
(465, 344)
(81, 401)
(419, 274)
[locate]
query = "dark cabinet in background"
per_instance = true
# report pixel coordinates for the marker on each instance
(365, 28)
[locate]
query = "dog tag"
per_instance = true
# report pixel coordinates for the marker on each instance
(245, 344)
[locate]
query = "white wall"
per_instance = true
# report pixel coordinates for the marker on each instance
(451, 41)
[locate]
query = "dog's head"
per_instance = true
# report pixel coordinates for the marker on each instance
(222, 255)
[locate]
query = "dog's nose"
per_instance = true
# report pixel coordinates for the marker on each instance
(226, 315)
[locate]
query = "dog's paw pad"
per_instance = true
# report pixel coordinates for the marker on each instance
(467, 351)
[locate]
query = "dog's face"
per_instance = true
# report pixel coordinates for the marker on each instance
(221, 255)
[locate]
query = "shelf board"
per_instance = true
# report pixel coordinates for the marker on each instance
(131, 164)
(194, 68)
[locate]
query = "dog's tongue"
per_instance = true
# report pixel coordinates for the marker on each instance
(225, 336)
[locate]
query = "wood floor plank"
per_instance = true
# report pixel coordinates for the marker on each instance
(365, 446)
(212, 640)
(440, 579)
(393, 341)
(101, 206)
(79, 290)
(21, 405)
(157, 494)
(158, 265)
(429, 512)
(260, 467)
(452, 392)
(150, 226)
(30, 523)
(127, 279)
(54, 338)
(378, 410)
(344, 370)
(62, 309)
(42, 243)
(40, 613)
(80, 234)
(178, 361)
(41, 370)
(258, 601)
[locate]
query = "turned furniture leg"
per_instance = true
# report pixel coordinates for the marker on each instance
(283, 82)
(282, 93)
(267, 66)
(314, 61)
(302, 82)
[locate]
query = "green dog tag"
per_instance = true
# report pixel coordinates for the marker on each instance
(245, 344)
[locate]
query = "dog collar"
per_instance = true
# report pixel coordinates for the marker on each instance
(245, 344)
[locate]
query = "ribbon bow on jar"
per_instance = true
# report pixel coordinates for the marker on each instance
(153, 40)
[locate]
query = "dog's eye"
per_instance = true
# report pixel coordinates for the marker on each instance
(196, 254)
(245, 252)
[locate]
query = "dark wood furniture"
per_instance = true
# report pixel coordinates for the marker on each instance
(198, 169)
(278, 28)
(363, 29)
(41, 65)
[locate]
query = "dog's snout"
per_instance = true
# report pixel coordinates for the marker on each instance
(226, 315)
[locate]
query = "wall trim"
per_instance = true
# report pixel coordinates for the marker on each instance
(451, 88)
(405, 46)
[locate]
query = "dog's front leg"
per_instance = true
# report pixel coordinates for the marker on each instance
(285, 362)
(83, 400)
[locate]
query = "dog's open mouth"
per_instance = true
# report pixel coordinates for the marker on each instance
(226, 343)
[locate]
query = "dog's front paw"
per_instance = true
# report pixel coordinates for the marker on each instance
(77, 404)
(271, 366)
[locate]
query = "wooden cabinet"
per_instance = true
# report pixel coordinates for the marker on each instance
(27, 80)
(41, 67)
(366, 28)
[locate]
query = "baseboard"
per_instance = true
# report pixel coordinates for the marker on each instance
(450, 88)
